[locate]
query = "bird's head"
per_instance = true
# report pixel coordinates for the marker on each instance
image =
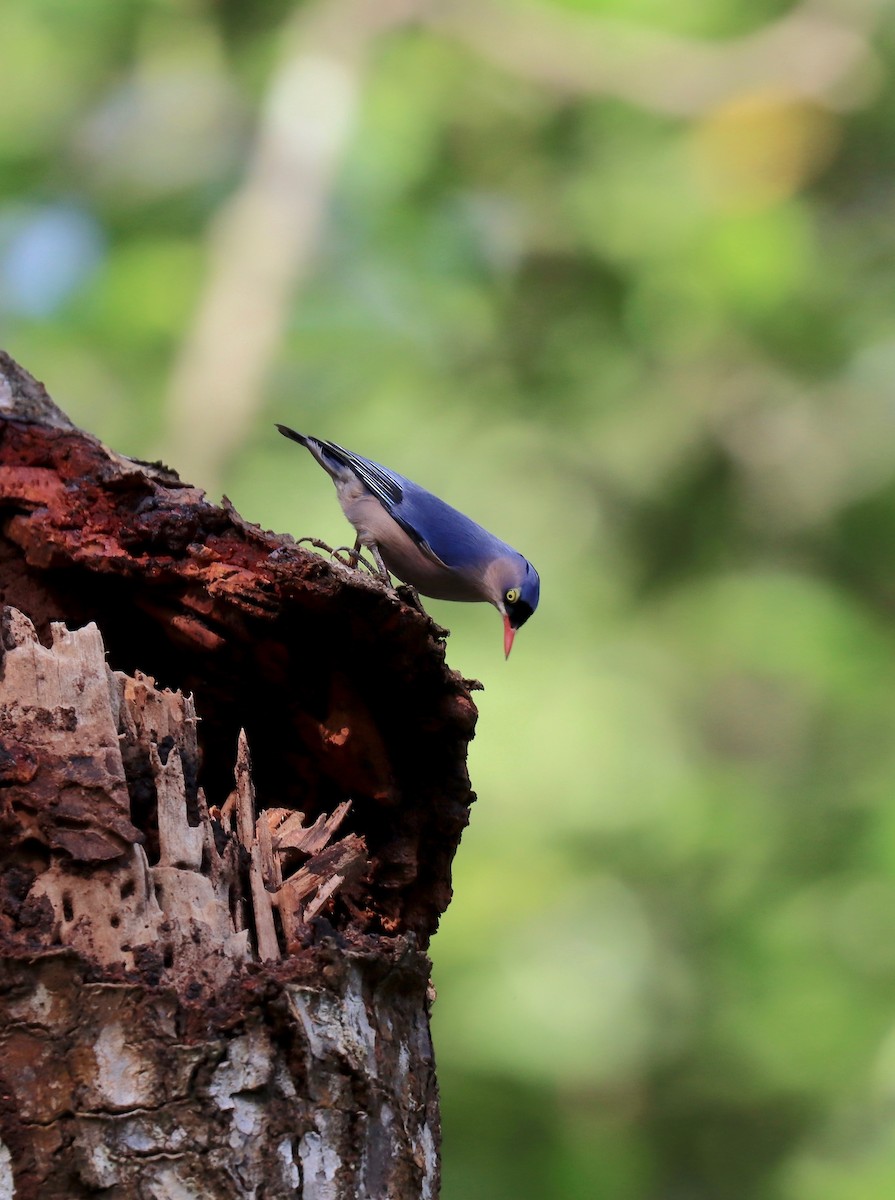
(516, 589)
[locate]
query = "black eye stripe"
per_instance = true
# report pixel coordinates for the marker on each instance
(519, 613)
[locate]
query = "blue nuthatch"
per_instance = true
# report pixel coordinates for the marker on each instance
(424, 541)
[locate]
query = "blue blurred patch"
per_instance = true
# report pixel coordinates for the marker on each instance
(46, 254)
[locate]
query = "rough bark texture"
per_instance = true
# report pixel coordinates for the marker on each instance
(212, 971)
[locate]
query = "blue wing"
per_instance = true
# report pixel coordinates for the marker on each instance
(440, 531)
(443, 531)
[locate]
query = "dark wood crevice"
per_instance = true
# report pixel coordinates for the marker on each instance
(232, 782)
(342, 688)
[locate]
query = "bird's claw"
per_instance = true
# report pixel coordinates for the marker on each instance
(316, 543)
(354, 557)
(355, 560)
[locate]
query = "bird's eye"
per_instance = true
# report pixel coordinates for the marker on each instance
(512, 595)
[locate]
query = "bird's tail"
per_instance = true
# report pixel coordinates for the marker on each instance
(330, 456)
(291, 433)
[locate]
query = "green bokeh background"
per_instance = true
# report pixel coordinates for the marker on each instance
(645, 331)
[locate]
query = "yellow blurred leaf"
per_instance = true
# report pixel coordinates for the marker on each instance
(761, 148)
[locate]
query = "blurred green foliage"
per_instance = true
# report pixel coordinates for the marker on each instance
(653, 348)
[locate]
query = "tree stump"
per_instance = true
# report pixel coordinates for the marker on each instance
(232, 781)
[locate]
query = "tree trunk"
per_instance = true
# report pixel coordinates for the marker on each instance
(213, 979)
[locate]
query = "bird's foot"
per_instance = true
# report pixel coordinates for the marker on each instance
(404, 591)
(353, 558)
(316, 543)
(346, 556)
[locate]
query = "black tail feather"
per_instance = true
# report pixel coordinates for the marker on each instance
(291, 433)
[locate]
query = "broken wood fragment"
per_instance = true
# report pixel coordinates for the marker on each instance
(212, 968)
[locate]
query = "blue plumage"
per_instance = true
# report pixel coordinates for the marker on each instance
(425, 541)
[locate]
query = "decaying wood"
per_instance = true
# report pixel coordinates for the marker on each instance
(232, 779)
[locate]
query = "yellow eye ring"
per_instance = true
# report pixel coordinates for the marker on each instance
(512, 595)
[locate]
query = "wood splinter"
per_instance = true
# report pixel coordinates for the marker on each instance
(276, 839)
(145, 1046)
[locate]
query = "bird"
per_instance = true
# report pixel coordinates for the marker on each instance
(423, 541)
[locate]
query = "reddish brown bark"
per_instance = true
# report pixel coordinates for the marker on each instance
(255, 980)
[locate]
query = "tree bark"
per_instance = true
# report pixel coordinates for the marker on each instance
(213, 980)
